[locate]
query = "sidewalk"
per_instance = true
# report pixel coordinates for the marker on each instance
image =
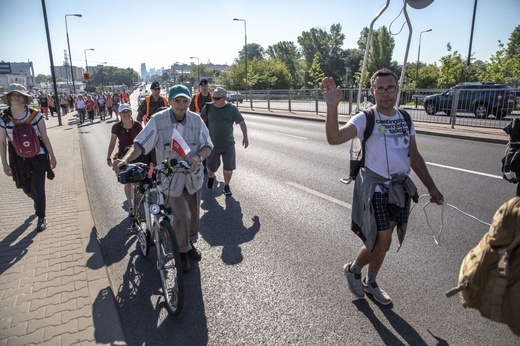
(54, 287)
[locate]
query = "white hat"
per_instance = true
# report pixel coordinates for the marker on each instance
(124, 107)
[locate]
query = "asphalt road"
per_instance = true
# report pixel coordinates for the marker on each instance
(273, 252)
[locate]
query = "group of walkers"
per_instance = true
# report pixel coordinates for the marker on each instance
(100, 104)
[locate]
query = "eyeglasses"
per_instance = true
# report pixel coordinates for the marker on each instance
(217, 98)
(156, 89)
(390, 89)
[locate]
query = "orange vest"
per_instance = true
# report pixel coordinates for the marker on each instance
(147, 113)
(125, 97)
(196, 101)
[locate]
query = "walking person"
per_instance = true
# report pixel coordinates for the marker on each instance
(185, 187)
(28, 173)
(124, 132)
(44, 104)
(220, 117)
(151, 104)
(115, 104)
(52, 104)
(101, 100)
(90, 107)
(390, 154)
(80, 107)
(110, 104)
(63, 103)
(201, 98)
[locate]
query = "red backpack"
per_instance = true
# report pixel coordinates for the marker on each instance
(25, 140)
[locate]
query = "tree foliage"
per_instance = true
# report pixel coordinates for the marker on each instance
(107, 75)
(452, 69)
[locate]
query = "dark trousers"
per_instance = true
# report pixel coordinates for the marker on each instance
(35, 186)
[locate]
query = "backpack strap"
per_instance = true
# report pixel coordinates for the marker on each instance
(407, 118)
(34, 113)
(369, 114)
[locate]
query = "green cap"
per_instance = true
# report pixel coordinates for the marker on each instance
(179, 91)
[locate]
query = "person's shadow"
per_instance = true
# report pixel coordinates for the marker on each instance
(225, 227)
(11, 252)
(401, 326)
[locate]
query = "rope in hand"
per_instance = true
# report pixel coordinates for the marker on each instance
(437, 237)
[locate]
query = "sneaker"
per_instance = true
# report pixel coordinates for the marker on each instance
(210, 183)
(42, 224)
(194, 254)
(354, 282)
(185, 262)
(378, 294)
(227, 190)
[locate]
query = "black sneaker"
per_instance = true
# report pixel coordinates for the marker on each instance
(227, 190)
(194, 254)
(210, 183)
(42, 224)
(185, 262)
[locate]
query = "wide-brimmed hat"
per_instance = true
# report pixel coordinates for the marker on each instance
(19, 88)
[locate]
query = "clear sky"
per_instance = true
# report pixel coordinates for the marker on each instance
(161, 32)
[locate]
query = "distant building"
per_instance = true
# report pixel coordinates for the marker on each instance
(64, 72)
(143, 72)
(17, 72)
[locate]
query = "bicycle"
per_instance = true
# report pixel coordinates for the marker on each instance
(151, 223)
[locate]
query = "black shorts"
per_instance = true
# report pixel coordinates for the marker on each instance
(385, 213)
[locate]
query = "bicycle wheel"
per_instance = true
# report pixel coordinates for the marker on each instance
(143, 233)
(170, 267)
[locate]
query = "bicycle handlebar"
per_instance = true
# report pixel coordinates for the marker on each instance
(135, 172)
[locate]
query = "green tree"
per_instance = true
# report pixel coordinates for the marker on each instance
(452, 70)
(513, 47)
(254, 50)
(316, 73)
(107, 75)
(332, 56)
(381, 50)
(41, 78)
(289, 54)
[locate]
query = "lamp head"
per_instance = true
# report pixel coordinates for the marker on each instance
(419, 4)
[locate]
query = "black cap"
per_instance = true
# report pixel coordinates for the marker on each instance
(203, 82)
(155, 84)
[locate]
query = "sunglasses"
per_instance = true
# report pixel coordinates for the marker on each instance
(156, 89)
(217, 98)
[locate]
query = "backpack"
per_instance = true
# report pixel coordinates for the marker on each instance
(489, 278)
(25, 140)
(358, 162)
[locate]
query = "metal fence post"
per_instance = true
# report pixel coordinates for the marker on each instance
(454, 107)
(316, 99)
(290, 100)
(268, 99)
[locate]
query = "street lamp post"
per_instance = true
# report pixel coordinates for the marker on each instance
(68, 44)
(198, 66)
(86, 64)
(418, 54)
(245, 47)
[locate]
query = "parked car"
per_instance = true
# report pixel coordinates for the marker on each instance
(234, 96)
(479, 98)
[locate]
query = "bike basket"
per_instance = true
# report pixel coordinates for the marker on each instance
(132, 174)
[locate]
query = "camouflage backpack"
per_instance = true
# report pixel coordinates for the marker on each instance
(489, 278)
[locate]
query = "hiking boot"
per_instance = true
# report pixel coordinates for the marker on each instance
(210, 183)
(185, 262)
(378, 294)
(194, 254)
(227, 190)
(42, 224)
(354, 282)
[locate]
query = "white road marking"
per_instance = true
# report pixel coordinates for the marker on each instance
(288, 135)
(319, 194)
(464, 170)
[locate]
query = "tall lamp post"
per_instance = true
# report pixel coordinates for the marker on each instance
(418, 55)
(86, 64)
(198, 66)
(68, 45)
(245, 47)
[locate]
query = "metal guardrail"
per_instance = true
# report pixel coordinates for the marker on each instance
(311, 100)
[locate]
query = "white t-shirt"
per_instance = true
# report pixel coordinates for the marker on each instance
(387, 149)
